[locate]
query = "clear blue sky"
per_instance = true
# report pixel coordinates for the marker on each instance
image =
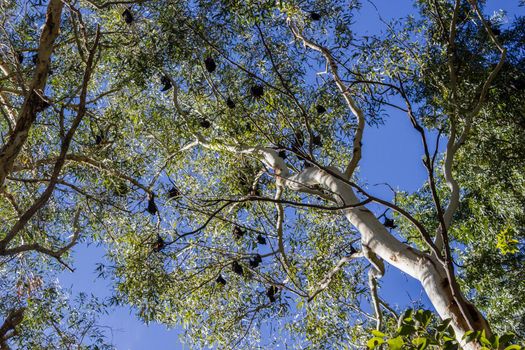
(392, 153)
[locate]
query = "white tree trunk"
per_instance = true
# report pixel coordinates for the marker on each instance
(376, 238)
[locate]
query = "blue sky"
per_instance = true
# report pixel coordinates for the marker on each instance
(392, 153)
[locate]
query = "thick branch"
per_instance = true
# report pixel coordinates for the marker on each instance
(8, 328)
(44, 197)
(29, 110)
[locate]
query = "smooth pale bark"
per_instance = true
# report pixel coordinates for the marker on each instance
(376, 238)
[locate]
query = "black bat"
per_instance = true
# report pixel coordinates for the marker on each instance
(210, 64)
(128, 17)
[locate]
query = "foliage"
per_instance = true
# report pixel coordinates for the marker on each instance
(488, 227)
(182, 220)
(54, 319)
(419, 330)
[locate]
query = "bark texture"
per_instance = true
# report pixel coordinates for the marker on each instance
(34, 100)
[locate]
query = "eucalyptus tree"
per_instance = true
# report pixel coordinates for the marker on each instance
(214, 147)
(52, 77)
(489, 222)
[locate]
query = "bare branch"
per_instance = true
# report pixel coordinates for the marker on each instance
(279, 228)
(356, 111)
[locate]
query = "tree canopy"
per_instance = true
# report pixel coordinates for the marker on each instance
(212, 149)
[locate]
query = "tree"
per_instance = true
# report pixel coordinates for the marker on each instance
(53, 319)
(190, 138)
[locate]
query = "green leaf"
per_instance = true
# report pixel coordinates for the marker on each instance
(450, 345)
(407, 314)
(506, 338)
(495, 341)
(395, 343)
(513, 347)
(485, 341)
(378, 333)
(374, 342)
(427, 317)
(420, 342)
(406, 329)
(418, 316)
(470, 336)
(444, 325)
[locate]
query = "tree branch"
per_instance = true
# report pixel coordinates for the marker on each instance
(356, 111)
(27, 115)
(8, 328)
(44, 197)
(325, 282)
